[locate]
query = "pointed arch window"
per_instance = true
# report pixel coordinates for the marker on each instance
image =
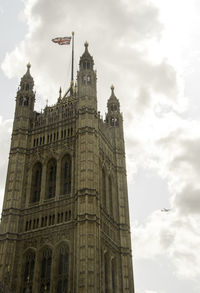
(104, 188)
(36, 182)
(113, 275)
(110, 195)
(51, 179)
(66, 175)
(20, 100)
(63, 270)
(45, 279)
(106, 279)
(26, 101)
(29, 271)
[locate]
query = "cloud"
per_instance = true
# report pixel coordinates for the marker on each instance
(5, 135)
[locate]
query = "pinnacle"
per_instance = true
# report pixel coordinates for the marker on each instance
(86, 45)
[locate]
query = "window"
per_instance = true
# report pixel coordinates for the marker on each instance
(28, 271)
(63, 270)
(26, 100)
(20, 100)
(103, 188)
(51, 179)
(88, 79)
(110, 195)
(66, 175)
(113, 270)
(45, 271)
(36, 182)
(84, 79)
(106, 272)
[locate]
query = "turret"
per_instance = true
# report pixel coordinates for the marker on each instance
(86, 78)
(113, 117)
(25, 96)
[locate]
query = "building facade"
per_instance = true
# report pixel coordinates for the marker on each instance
(65, 220)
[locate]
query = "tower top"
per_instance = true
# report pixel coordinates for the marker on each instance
(86, 57)
(27, 76)
(113, 99)
(27, 80)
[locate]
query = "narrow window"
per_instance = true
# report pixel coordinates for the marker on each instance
(103, 188)
(106, 272)
(36, 182)
(26, 101)
(29, 272)
(51, 179)
(66, 175)
(63, 270)
(110, 195)
(46, 271)
(20, 100)
(113, 270)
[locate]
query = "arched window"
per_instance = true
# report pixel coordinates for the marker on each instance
(36, 182)
(84, 65)
(113, 273)
(88, 65)
(103, 188)
(28, 271)
(66, 175)
(45, 273)
(85, 79)
(88, 79)
(51, 179)
(63, 270)
(27, 87)
(110, 195)
(20, 100)
(106, 279)
(26, 101)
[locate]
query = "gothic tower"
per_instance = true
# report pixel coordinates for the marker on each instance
(65, 220)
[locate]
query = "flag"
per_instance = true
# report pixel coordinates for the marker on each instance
(62, 40)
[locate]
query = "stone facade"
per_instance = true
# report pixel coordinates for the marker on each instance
(65, 219)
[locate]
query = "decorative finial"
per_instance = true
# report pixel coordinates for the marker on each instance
(72, 33)
(60, 92)
(112, 89)
(86, 44)
(28, 67)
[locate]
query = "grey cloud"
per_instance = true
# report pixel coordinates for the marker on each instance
(189, 154)
(188, 201)
(166, 238)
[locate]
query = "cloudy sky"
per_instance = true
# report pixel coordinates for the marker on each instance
(150, 51)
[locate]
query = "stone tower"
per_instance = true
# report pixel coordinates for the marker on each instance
(65, 220)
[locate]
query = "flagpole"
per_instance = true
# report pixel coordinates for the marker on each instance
(72, 77)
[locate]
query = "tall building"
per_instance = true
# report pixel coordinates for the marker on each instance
(65, 220)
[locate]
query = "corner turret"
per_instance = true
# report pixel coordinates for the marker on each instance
(25, 101)
(25, 96)
(113, 117)
(86, 78)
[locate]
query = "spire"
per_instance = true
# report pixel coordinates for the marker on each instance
(113, 116)
(113, 99)
(27, 82)
(86, 60)
(25, 94)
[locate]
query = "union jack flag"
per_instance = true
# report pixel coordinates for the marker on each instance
(62, 40)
